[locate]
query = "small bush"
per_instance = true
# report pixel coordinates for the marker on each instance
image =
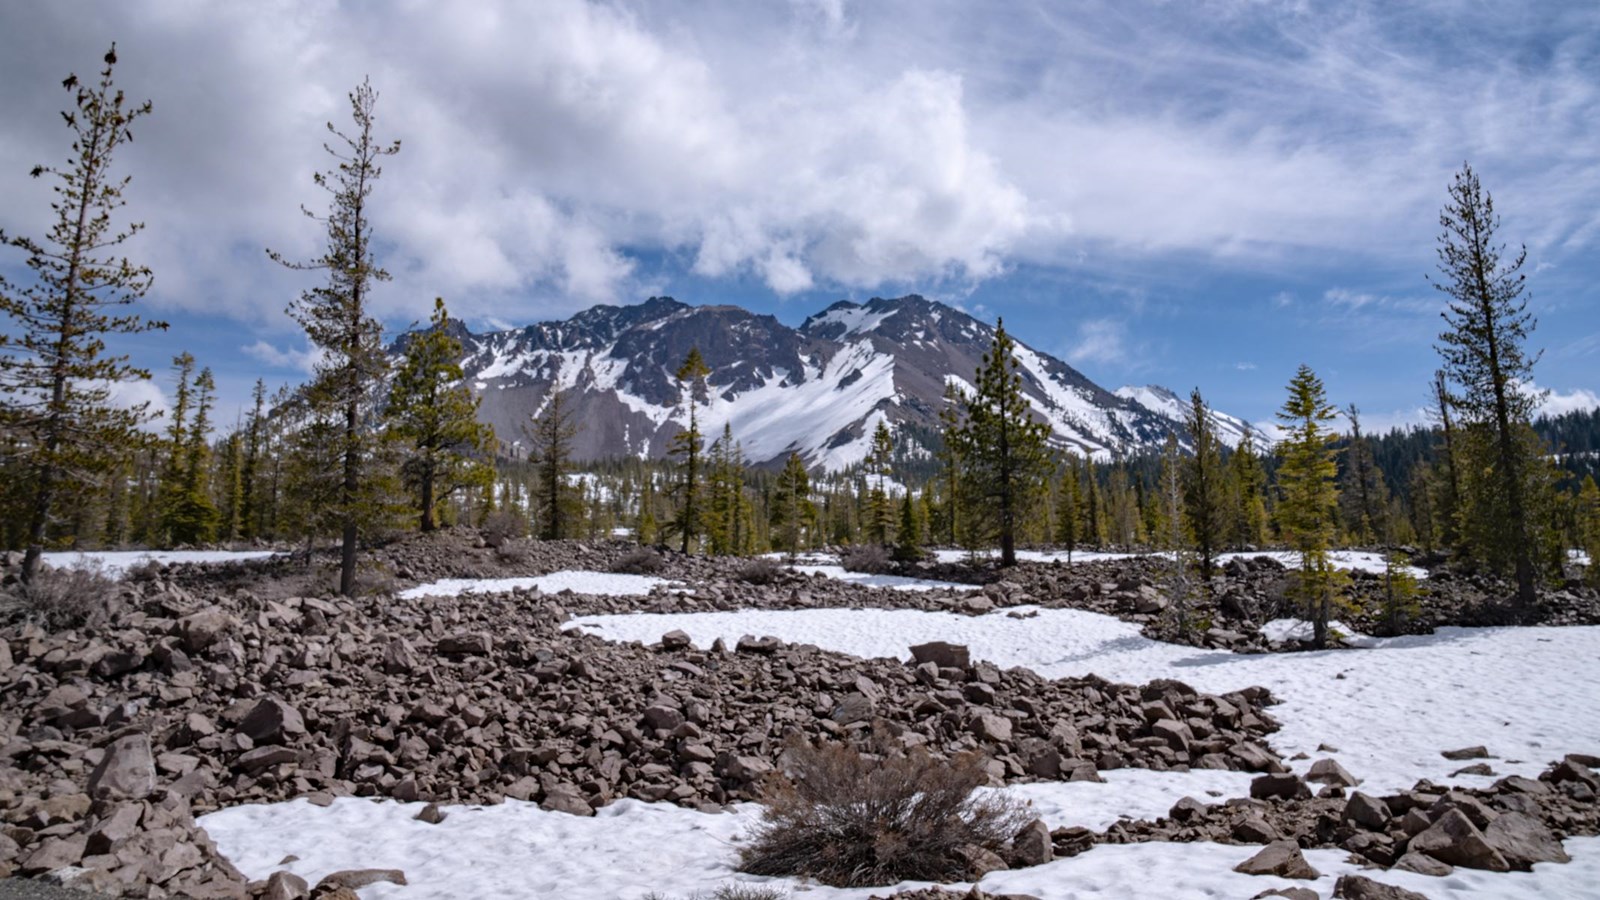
(733, 892)
(503, 525)
(872, 559)
(760, 571)
(61, 599)
(643, 561)
(849, 820)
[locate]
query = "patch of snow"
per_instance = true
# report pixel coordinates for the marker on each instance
(856, 319)
(630, 850)
(1525, 693)
(609, 584)
(116, 563)
(1284, 630)
(1355, 560)
(898, 582)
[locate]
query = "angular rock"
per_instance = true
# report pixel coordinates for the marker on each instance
(677, 639)
(1287, 786)
(360, 878)
(942, 654)
(1478, 752)
(1328, 771)
(1523, 841)
(1359, 887)
(465, 644)
(1293, 893)
(1253, 829)
(1454, 840)
(283, 885)
(127, 771)
(1281, 858)
(203, 629)
(992, 728)
(1367, 811)
(272, 721)
(1033, 845)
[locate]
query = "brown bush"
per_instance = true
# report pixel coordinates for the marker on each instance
(643, 561)
(872, 559)
(760, 571)
(60, 599)
(850, 820)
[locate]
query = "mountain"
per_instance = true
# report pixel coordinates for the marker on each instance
(819, 389)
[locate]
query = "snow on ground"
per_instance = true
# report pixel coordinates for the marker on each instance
(116, 563)
(1578, 556)
(630, 850)
(1283, 630)
(898, 582)
(600, 583)
(1526, 693)
(1358, 560)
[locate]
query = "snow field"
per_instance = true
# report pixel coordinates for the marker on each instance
(898, 582)
(116, 563)
(1355, 560)
(608, 584)
(630, 849)
(1525, 693)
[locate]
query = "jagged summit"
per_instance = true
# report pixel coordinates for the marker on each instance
(819, 389)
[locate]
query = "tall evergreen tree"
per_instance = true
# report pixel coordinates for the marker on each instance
(192, 518)
(1309, 508)
(1003, 451)
(249, 469)
(337, 319)
(1246, 488)
(728, 529)
(1364, 496)
(1487, 323)
(1069, 506)
(880, 461)
(908, 538)
(55, 373)
(1446, 492)
(550, 450)
(792, 514)
(688, 446)
(1174, 497)
(1588, 526)
(950, 464)
(434, 415)
(1204, 492)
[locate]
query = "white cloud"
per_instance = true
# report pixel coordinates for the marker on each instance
(303, 361)
(1576, 400)
(1244, 366)
(133, 392)
(1102, 341)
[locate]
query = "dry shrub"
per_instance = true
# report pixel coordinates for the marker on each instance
(61, 599)
(643, 561)
(501, 526)
(760, 571)
(733, 892)
(850, 820)
(872, 559)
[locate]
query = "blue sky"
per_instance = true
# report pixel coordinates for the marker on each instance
(1191, 194)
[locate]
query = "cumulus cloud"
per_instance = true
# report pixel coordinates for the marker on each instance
(302, 361)
(550, 147)
(1576, 400)
(1101, 341)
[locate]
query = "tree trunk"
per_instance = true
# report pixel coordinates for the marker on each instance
(427, 523)
(352, 470)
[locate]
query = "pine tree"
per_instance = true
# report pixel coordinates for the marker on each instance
(255, 434)
(908, 539)
(1446, 491)
(1175, 537)
(1247, 521)
(727, 509)
(228, 477)
(55, 375)
(1309, 508)
(193, 517)
(1069, 506)
(1399, 604)
(950, 464)
(687, 446)
(880, 460)
(792, 514)
(1204, 499)
(336, 317)
(550, 450)
(1488, 323)
(1003, 451)
(645, 530)
(1364, 496)
(1588, 527)
(434, 415)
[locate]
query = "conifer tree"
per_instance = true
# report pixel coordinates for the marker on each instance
(687, 446)
(434, 415)
(1487, 323)
(1309, 507)
(1069, 506)
(1446, 490)
(908, 538)
(1003, 451)
(337, 318)
(728, 530)
(1588, 526)
(1364, 496)
(950, 464)
(792, 514)
(646, 529)
(550, 450)
(55, 372)
(1399, 603)
(192, 518)
(1175, 537)
(255, 434)
(1246, 489)
(880, 460)
(229, 476)
(1204, 497)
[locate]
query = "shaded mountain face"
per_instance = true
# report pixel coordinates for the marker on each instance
(819, 390)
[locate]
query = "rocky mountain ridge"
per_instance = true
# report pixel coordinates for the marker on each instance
(819, 389)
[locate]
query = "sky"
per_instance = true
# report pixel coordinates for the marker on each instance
(1193, 194)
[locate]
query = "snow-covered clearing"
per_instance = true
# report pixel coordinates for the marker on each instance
(1356, 560)
(898, 582)
(579, 582)
(1526, 693)
(631, 849)
(116, 563)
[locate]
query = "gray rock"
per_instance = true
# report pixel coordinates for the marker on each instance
(1328, 771)
(1366, 810)
(676, 639)
(1478, 752)
(1359, 887)
(466, 644)
(1453, 839)
(1293, 893)
(360, 878)
(1523, 841)
(942, 654)
(272, 721)
(1287, 786)
(285, 886)
(1033, 845)
(1281, 858)
(203, 629)
(1422, 864)
(127, 771)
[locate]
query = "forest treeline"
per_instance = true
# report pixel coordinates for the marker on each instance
(377, 443)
